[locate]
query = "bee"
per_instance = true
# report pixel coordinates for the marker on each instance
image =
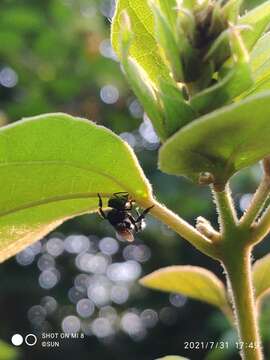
(121, 215)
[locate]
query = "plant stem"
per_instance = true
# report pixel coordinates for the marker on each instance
(180, 226)
(226, 210)
(238, 268)
(261, 229)
(257, 203)
(236, 258)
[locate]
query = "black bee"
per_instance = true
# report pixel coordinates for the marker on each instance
(120, 216)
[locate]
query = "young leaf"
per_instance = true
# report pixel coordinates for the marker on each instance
(146, 94)
(176, 110)
(169, 9)
(145, 90)
(260, 86)
(260, 65)
(165, 35)
(260, 53)
(261, 279)
(220, 143)
(195, 282)
(231, 10)
(143, 48)
(259, 20)
(233, 84)
(51, 169)
(220, 50)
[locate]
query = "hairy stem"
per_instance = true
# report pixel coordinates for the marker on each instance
(226, 211)
(261, 229)
(238, 268)
(236, 258)
(180, 226)
(257, 203)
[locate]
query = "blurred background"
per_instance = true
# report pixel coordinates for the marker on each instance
(55, 55)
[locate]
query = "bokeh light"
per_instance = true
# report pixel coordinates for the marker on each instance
(8, 77)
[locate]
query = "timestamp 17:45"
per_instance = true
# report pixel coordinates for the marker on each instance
(208, 345)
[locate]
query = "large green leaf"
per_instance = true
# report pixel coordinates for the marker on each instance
(144, 48)
(261, 278)
(222, 142)
(51, 169)
(191, 281)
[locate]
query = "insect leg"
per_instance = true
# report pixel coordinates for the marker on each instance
(121, 192)
(134, 222)
(100, 210)
(142, 216)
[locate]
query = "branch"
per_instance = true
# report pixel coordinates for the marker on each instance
(261, 228)
(259, 199)
(180, 226)
(226, 210)
(239, 279)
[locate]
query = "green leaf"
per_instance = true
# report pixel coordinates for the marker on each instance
(220, 50)
(233, 84)
(195, 282)
(220, 143)
(261, 279)
(231, 10)
(51, 169)
(168, 8)
(144, 48)
(260, 86)
(250, 4)
(259, 20)
(173, 357)
(260, 53)
(165, 35)
(176, 110)
(260, 65)
(146, 94)
(8, 352)
(143, 87)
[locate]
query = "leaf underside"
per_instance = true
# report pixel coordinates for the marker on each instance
(51, 169)
(191, 281)
(222, 142)
(144, 48)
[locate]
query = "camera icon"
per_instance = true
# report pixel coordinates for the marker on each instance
(29, 339)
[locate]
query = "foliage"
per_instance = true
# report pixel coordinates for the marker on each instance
(63, 176)
(211, 144)
(194, 67)
(7, 352)
(224, 71)
(191, 281)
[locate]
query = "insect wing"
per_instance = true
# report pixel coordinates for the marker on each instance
(125, 234)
